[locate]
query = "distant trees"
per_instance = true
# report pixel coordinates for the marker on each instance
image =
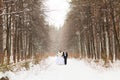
(92, 29)
(23, 30)
(54, 40)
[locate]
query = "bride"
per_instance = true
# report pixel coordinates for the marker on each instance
(60, 59)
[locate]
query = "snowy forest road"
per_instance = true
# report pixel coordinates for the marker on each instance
(74, 70)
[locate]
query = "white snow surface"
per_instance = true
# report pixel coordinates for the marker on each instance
(74, 70)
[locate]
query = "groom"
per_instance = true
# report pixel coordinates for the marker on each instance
(65, 55)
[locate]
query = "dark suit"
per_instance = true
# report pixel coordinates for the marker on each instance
(65, 55)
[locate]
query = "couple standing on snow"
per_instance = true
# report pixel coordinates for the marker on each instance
(62, 57)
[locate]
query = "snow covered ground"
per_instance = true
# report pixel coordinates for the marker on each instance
(74, 70)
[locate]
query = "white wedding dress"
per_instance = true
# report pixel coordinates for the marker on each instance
(59, 58)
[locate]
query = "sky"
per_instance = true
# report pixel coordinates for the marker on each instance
(57, 11)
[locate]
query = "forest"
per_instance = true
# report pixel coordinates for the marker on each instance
(23, 30)
(91, 31)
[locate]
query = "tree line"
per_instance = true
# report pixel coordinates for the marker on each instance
(23, 30)
(92, 29)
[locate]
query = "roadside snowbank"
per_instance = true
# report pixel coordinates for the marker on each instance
(74, 70)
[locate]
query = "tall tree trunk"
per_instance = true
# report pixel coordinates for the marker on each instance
(7, 34)
(1, 34)
(107, 48)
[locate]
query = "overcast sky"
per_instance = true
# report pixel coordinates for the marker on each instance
(58, 10)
